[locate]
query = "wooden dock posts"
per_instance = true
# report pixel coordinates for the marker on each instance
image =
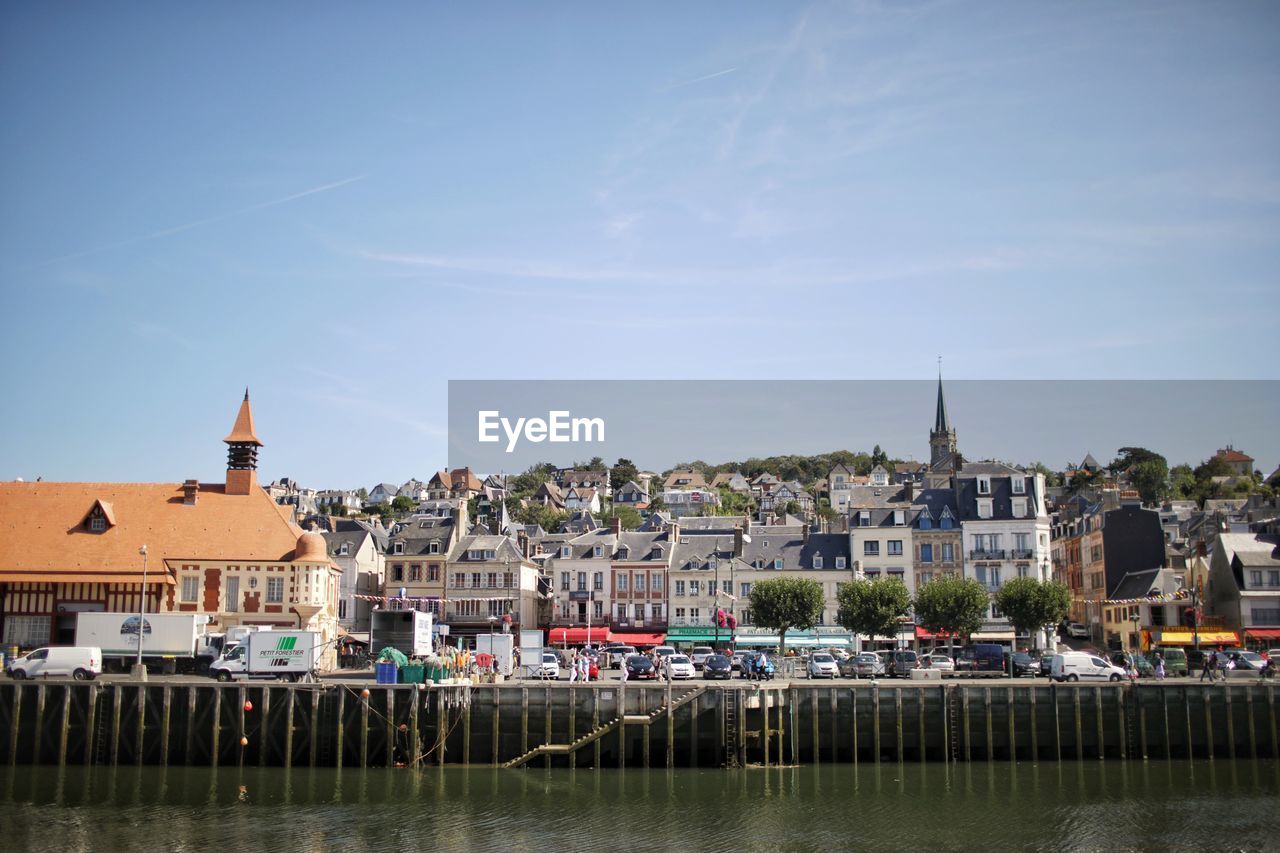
(335, 725)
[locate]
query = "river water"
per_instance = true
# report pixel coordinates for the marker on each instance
(1067, 806)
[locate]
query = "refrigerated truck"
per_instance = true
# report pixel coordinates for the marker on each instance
(502, 647)
(180, 637)
(406, 630)
(283, 655)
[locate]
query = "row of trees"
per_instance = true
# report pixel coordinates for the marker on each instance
(875, 607)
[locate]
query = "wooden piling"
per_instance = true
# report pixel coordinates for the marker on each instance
(340, 729)
(313, 736)
(415, 743)
(1102, 739)
(814, 723)
(466, 734)
(38, 741)
(1035, 727)
(264, 725)
(524, 720)
(1075, 692)
(288, 728)
(1271, 714)
(117, 697)
(142, 723)
(764, 707)
(1122, 718)
(964, 695)
(986, 707)
(166, 707)
(91, 726)
(1013, 731)
(65, 725)
(1231, 724)
(392, 737)
(693, 731)
(671, 729)
(364, 729)
(442, 726)
(15, 723)
(214, 735)
(1142, 723)
(1208, 721)
(1167, 752)
(853, 713)
(920, 712)
(897, 701)
(1253, 739)
(1057, 721)
(1186, 715)
(875, 720)
(241, 698)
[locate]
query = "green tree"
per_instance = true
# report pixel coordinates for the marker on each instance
(879, 457)
(825, 511)
(1051, 479)
(735, 503)
(627, 515)
(872, 607)
(792, 508)
(784, 603)
(1182, 482)
(1031, 605)
(525, 484)
(622, 471)
(402, 504)
(383, 509)
(951, 604)
(362, 493)
(1151, 478)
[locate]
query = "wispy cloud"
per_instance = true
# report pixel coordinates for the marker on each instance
(704, 77)
(197, 223)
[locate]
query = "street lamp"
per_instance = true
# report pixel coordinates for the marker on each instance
(140, 669)
(1136, 619)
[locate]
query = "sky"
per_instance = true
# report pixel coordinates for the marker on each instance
(343, 207)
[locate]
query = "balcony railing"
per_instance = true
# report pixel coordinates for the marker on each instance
(986, 555)
(1022, 554)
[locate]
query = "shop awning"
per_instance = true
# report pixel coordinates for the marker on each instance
(1209, 638)
(579, 636)
(757, 640)
(636, 639)
(993, 637)
(922, 634)
(830, 641)
(1263, 633)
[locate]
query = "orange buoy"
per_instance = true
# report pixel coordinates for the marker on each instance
(364, 694)
(244, 741)
(403, 727)
(248, 706)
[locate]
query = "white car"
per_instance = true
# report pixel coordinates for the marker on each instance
(700, 654)
(822, 665)
(664, 651)
(679, 666)
(83, 663)
(550, 665)
(1077, 631)
(1082, 666)
(940, 662)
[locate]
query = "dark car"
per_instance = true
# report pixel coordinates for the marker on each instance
(1024, 664)
(639, 666)
(748, 659)
(980, 657)
(717, 666)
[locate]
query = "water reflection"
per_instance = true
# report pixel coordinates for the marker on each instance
(907, 806)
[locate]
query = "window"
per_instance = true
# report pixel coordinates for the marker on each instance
(899, 517)
(433, 573)
(695, 588)
(995, 577)
(233, 595)
(639, 611)
(582, 581)
(712, 563)
(727, 587)
(995, 612)
(459, 580)
(980, 573)
(190, 588)
(946, 522)
(655, 610)
(492, 580)
(1019, 485)
(597, 581)
(433, 547)
(1273, 578)
(655, 582)
(679, 587)
(984, 485)
(475, 580)
(275, 590)
(984, 509)
(598, 551)
(1019, 507)
(564, 582)
(622, 584)
(817, 561)
(598, 609)
(871, 548)
(342, 608)
(679, 612)
(509, 580)
(694, 613)
(948, 552)
(415, 572)
(1266, 616)
(1157, 616)
(744, 590)
(397, 548)
(566, 551)
(926, 522)
(397, 571)
(895, 548)
(97, 524)
(1022, 542)
(777, 563)
(27, 631)
(926, 553)
(1255, 578)
(925, 577)
(344, 549)
(864, 519)
(840, 562)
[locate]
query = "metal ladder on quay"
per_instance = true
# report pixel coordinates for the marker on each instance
(731, 712)
(953, 721)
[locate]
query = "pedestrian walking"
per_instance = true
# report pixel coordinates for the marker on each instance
(575, 669)
(1159, 667)
(1206, 668)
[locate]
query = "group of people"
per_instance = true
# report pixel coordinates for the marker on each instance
(580, 666)
(1157, 664)
(1216, 666)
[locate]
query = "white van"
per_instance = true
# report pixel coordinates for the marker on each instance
(82, 663)
(1082, 666)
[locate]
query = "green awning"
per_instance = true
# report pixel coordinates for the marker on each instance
(757, 640)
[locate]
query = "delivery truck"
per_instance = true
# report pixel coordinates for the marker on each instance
(406, 630)
(283, 655)
(179, 638)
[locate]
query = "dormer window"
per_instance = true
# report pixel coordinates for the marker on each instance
(864, 519)
(1019, 507)
(599, 551)
(1019, 485)
(100, 517)
(817, 561)
(840, 562)
(565, 551)
(984, 485)
(344, 550)
(984, 509)
(946, 522)
(397, 548)
(434, 547)
(777, 562)
(712, 563)
(899, 517)
(926, 523)
(97, 524)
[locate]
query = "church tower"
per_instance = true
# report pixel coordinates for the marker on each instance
(242, 452)
(942, 438)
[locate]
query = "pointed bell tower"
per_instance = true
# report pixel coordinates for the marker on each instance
(942, 438)
(242, 452)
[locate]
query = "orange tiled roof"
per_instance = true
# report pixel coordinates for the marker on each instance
(462, 478)
(42, 534)
(1233, 455)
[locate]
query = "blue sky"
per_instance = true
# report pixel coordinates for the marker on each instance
(345, 206)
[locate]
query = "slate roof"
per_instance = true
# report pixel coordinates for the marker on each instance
(795, 552)
(1135, 584)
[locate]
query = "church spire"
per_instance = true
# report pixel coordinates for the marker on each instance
(940, 423)
(942, 438)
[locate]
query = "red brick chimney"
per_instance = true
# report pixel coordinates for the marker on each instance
(615, 526)
(189, 490)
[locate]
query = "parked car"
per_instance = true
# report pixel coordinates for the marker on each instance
(664, 651)
(619, 654)
(1081, 666)
(83, 663)
(745, 662)
(1076, 631)
(1021, 663)
(639, 666)
(680, 667)
(981, 659)
(735, 660)
(902, 662)
(700, 654)
(717, 666)
(1144, 666)
(822, 665)
(864, 665)
(939, 661)
(1176, 661)
(550, 665)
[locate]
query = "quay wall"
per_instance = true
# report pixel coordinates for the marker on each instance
(689, 724)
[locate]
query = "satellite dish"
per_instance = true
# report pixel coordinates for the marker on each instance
(746, 538)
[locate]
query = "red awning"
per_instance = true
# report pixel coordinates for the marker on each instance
(638, 639)
(922, 634)
(1263, 633)
(579, 636)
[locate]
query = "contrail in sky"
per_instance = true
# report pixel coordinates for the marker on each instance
(699, 79)
(177, 229)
